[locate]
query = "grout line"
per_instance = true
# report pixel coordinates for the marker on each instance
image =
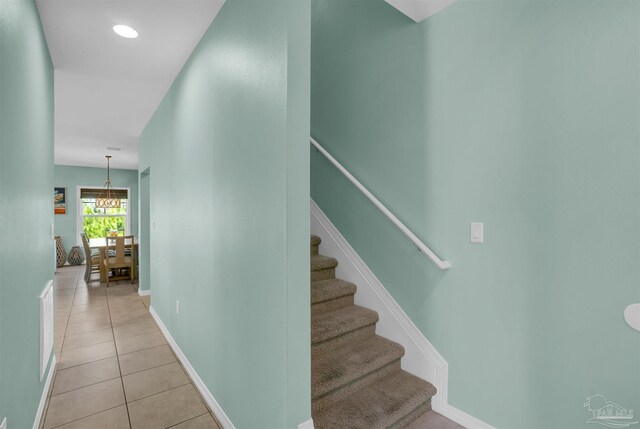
(192, 418)
(162, 391)
(89, 361)
(146, 369)
(88, 345)
(124, 392)
(108, 409)
(64, 337)
(153, 367)
(88, 385)
(145, 348)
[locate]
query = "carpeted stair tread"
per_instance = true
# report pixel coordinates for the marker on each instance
(380, 405)
(320, 262)
(352, 362)
(332, 324)
(315, 240)
(325, 290)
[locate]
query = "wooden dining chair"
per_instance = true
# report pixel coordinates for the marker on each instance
(92, 257)
(123, 258)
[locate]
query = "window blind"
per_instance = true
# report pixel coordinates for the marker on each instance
(96, 192)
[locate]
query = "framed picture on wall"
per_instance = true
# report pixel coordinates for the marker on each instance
(59, 200)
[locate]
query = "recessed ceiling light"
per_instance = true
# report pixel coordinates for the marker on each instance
(125, 31)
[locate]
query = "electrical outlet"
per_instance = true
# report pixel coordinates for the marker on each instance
(177, 307)
(4, 424)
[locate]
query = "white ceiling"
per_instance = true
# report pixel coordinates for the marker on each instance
(107, 87)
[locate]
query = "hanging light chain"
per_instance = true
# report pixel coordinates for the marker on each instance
(107, 201)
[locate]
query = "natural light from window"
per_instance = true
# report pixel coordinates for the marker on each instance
(99, 223)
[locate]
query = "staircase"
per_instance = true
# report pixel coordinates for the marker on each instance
(356, 379)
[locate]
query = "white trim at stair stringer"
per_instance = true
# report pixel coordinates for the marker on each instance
(206, 394)
(421, 358)
(306, 425)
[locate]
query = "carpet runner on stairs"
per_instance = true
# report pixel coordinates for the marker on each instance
(357, 381)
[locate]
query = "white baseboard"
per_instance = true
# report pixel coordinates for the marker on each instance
(144, 292)
(206, 394)
(45, 393)
(421, 358)
(306, 425)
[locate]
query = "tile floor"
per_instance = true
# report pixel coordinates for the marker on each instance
(115, 369)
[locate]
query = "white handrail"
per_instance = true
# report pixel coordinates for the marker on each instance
(443, 265)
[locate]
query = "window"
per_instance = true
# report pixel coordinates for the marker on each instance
(98, 223)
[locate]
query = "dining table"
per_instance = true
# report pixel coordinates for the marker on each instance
(101, 245)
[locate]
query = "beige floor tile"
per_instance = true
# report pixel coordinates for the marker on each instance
(122, 304)
(88, 338)
(84, 402)
(87, 290)
(96, 314)
(120, 310)
(131, 330)
(146, 300)
(64, 292)
(88, 326)
(64, 305)
(66, 285)
(88, 300)
(122, 290)
(121, 316)
(154, 380)
(63, 302)
(125, 303)
(166, 409)
(204, 421)
(58, 345)
(59, 328)
(86, 354)
(88, 293)
(134, 318)
(77, 309)
(139, 342)
(145, 359)
(115, 418)
(85, 375)
(62, 313)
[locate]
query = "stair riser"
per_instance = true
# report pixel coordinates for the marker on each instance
(339, 393)
(315, 250)
(333, 304)
(329, 273)
(413, 416)
(342, 340)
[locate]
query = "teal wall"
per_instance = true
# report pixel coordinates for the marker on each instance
(144, 282)
(229, 197)
(523, 115)
(26, 205)
(72, 177)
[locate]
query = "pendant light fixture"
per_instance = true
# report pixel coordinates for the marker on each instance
(106, 200)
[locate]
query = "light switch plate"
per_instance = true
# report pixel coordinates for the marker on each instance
(4, 424)
(477, 232)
